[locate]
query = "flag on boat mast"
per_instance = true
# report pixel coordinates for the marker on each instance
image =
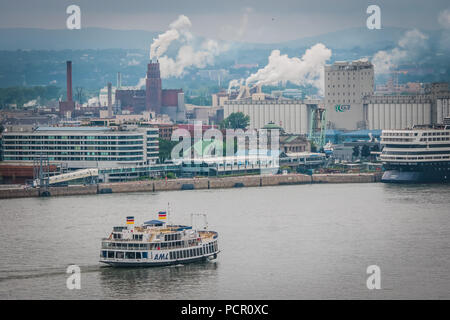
(130, 220)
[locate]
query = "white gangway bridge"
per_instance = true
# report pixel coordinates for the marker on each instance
(65, 177)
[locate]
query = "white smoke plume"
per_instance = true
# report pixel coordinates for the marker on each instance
(187, 56)
(236, 32)
(408, 47)
(444, 18)
(444, 21)
(177, 28)
(309, 69)
(235, 84)
(141, 83)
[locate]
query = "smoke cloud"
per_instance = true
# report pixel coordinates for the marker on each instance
(410, 46)
(444, 18)
(309, 69)
(235, 84)
(187, 55)
(177, 28)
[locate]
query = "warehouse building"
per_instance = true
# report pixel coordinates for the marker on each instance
(406, 111)
(292, 115)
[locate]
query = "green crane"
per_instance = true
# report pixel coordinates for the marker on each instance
(317, 126)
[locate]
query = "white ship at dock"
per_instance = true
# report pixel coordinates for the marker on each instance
(155, 243)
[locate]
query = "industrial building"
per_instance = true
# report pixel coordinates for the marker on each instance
(406, 111)
(293, 115)
(153, 98)
(83, 147)
(351, 103)
(346, 84)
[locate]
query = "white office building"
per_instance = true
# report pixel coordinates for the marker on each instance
(84, 147)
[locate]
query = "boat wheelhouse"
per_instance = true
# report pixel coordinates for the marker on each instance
(156, 243)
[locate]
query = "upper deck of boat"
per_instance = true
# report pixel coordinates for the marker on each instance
(153, 231)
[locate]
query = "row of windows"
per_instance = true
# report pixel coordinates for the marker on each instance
(150, 246)
(21, 158)
(180, 254)
(172, 237)
(62, 143)
(343, 93)
(343, 86)
(435, 139)
(124, 255)
(73, 137)
(339, 100)
(406, 140)
(417, 146)
(431, 152)
(78, 153)
(383, 157)
(343, 72)
(64, 152)
(12, 147)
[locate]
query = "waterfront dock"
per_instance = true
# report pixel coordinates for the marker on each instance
(190, 184)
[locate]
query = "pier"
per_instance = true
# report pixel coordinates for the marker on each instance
(190, 184)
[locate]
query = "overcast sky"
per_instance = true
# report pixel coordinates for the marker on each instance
(244, 20)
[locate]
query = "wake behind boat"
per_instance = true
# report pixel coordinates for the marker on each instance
(155, 243)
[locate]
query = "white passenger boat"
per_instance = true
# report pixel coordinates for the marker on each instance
(156, 243)
(417, 155)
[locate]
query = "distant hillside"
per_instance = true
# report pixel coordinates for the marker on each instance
(36, 57)
(85, 38)
(100, 38)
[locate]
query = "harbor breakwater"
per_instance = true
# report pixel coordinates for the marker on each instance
(191, 184)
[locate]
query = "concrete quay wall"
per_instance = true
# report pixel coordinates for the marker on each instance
(346, 178)
(192, 184)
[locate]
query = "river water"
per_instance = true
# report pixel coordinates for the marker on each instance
(286, 242)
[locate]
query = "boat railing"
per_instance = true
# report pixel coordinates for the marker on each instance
(150, 246)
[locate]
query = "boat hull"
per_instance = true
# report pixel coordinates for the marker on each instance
(429, 176)
(133, 264)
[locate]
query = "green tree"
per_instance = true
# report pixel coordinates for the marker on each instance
(365, 151)
(165, 148)
(356, 151)
(236, 120)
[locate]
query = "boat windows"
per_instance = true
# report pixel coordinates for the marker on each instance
(137, 236)
(111, 254)
(144, 255)
(138, 255)
(172, 237)
(104, 254)
(119, 255)
(130, 255)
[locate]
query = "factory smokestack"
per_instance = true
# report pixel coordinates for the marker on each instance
(69, 80)
(66, 108)
(110, 113)
(119, 80)
(153, 100)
